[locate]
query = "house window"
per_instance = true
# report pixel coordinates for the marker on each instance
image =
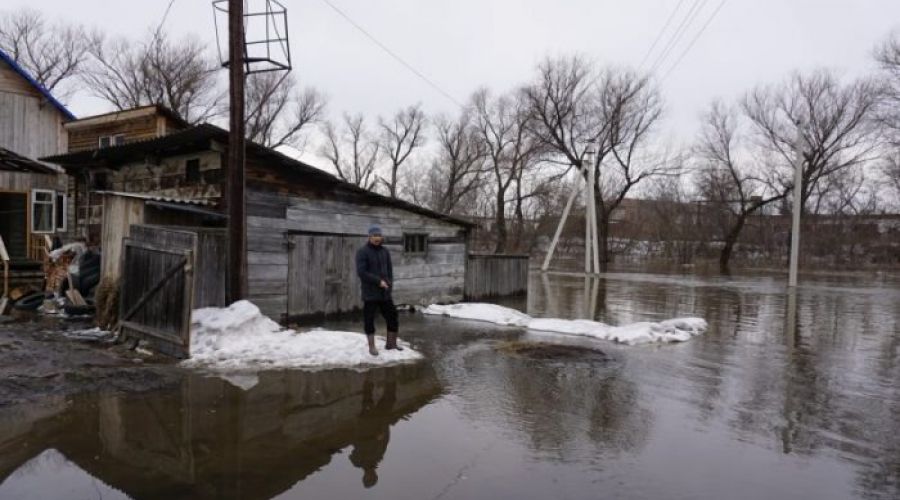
(106, 141)
(415, 244)
(62, 211)
(192, 170)
(42, 211)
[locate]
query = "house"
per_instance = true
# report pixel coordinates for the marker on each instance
(303, 224)
(34, 202)
(33, 121)
(121, 127)
(102, 131)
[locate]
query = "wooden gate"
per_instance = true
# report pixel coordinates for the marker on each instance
(157, 286)
(322, 274)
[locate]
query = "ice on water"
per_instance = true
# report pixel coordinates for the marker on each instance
(672, 330)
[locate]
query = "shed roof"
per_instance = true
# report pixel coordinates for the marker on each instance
(201, 137)
(14, 162)
(37, 86)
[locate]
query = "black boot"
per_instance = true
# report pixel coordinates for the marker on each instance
(392, 342)
(372, 350)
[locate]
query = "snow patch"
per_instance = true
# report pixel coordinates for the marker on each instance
(491, 313)
(672, 330)
(239, 339)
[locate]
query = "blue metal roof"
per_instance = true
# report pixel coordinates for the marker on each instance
(34, 83)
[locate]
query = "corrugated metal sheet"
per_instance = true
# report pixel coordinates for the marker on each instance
(14, 162)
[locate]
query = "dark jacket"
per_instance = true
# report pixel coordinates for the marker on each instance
(373, 264)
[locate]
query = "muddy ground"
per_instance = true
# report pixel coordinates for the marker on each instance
(38, 360)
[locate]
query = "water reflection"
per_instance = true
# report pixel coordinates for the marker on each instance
(208, 439)
(785, 396)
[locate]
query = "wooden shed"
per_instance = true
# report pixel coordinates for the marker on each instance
(304, 225)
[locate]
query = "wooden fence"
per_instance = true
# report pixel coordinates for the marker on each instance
(490, 275)
(166, 273)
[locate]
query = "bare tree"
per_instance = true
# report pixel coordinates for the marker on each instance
(458, 171)
(52, 53)
(816, 118)
(399, 138)
(501, 123)
(732, 189)
(278, 112)
(351, 151)
(180, 75)
(614, 113)
(888, 57)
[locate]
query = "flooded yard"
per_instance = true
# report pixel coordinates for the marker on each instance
(785, 396)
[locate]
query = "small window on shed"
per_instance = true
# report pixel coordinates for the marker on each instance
(415, 243)
(106, 141)
(192, 170)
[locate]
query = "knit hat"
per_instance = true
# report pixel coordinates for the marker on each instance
(374, 229)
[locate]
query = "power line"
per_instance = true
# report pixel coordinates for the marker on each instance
(393, 54)
(694, 40)
(661, 32)
(696, 7)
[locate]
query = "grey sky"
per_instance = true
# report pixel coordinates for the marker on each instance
(464, 44)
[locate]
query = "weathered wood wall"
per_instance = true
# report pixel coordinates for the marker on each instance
(29, 125)
(23, 183)
(489, 275)
(138, 128)
(272, 216)
(165, 178)
(119, 213)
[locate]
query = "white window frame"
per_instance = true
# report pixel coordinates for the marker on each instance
(35, 202)
(114, 140)
(62, 199)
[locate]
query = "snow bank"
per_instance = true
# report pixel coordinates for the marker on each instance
(672, 330)
(491, 313)
(239, 338)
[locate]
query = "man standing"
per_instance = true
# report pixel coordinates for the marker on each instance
(376, 276)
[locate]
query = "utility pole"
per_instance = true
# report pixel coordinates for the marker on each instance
(237, 220)
(795, 225)
(591, 180)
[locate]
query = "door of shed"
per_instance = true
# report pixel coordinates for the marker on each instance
(322, 274)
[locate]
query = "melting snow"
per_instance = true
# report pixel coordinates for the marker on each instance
(672, 330)
(239, 338)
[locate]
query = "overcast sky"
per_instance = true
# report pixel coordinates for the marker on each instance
(464, 44)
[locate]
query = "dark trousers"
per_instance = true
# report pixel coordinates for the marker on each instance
(388, 310)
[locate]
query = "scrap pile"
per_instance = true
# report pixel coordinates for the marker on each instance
(71, 273)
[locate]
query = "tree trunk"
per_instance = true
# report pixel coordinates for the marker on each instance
(730, 240)
(603, 229)
(501, 223)
(393, 186)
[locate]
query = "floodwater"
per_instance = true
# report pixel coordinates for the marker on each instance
(786, 396)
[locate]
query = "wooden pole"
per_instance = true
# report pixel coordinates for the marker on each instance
(237, 220)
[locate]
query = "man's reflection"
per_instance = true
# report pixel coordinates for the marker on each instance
(373, 430)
